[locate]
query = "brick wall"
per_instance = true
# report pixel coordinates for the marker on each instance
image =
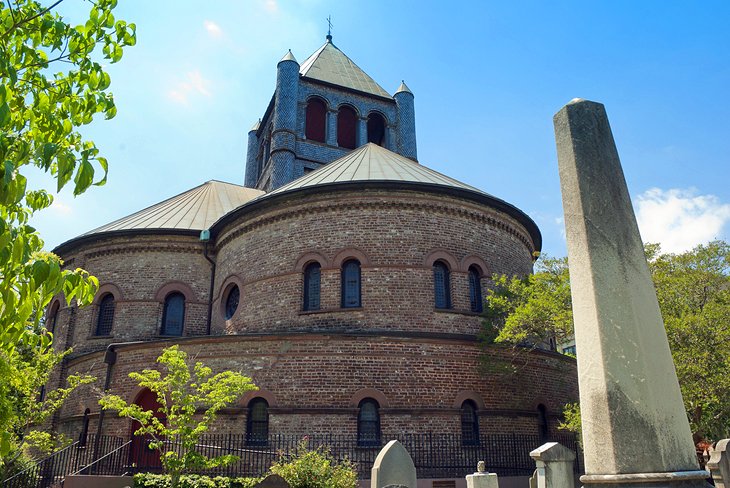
(314, 382)
(392, 233)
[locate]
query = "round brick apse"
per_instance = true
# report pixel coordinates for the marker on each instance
(315, 363)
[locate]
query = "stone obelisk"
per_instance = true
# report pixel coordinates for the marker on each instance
(635, 430)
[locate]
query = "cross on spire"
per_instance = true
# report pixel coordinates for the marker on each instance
(329, 28)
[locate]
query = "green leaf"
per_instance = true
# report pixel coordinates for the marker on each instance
(84, 177)
(5, 115)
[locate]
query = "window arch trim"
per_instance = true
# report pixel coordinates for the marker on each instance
(350, 253)
(441, 255)
(308, 258)
(175, 286)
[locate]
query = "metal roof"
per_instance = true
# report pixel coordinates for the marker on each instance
(331, 65)
(195, 209)
(373, 163)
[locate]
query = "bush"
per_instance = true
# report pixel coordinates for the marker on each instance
(150, 480)
(315, 469)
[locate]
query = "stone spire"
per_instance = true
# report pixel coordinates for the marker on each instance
(635, 430)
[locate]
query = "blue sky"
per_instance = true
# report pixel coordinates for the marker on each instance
(487, 78)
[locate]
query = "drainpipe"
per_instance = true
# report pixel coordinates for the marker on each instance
(110, 358)
(205, 239)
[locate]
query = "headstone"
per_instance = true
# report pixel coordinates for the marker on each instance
(393, 466)
(635, 429)
(273, 481)
(482, 478)
(719, 464)
(554, 466)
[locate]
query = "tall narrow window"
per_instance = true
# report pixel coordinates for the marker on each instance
(441, 285)
(173, 315)
(312, 280)
(543, 428)
(53, 318)
(475, 289)
(257, 422)
(234, 296)
(105, 318)
(376, 129)
(351, 284)
(346, 127)
(469, 424)
(316, 120)
(368, 423)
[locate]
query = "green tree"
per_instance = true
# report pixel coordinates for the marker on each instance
(23, 379)
(693, 289)
(182, 391)
(51, 83)
(315, 469)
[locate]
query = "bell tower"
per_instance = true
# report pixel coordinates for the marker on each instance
(322, 109)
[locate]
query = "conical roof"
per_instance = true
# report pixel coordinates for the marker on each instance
(194, 210)
(331, 65)
(374, 163)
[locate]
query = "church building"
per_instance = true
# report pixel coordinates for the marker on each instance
(345, 277)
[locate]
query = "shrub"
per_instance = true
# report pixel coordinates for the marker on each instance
(315, 469)
(150, 480)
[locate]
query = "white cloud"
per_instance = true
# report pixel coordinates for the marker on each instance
(194, 84)
(271, 6)
(213, 29)
(679, 219)
(61, 208)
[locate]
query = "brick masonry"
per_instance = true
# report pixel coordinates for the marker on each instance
(313, 367)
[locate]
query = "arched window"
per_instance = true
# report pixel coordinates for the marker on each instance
(441, 285)
(173, 314)
(105, 319)
(368, 423)
(346, 127)
(376, 129)
(475, 289)
(351, 284)
(232, 299)
(543, 428)
(52, 318)
(257, 422)
(316, 120)
(312, 280)
(84, 428)
(469, 424)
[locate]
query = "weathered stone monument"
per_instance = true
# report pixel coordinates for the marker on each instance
(554, 466)
(393, 467)
(635, 430)
(482, 478)
(719, 464)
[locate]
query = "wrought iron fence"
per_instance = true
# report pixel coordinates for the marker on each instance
(434, 455)
(58, 465)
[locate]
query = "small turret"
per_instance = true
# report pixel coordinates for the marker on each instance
(252, 169)
(404, 100)
(283, 139)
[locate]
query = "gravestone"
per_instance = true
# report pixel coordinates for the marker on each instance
(719, 464)
(635, 429)
(273, 481)
(393, 466)
(554, 464)
(482, 478)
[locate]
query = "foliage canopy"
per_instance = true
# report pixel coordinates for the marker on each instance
(693, 290)
(51, 83)
(190, 397)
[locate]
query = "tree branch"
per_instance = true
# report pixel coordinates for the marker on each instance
(25, 21)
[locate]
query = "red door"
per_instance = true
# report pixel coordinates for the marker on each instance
(140, 453)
